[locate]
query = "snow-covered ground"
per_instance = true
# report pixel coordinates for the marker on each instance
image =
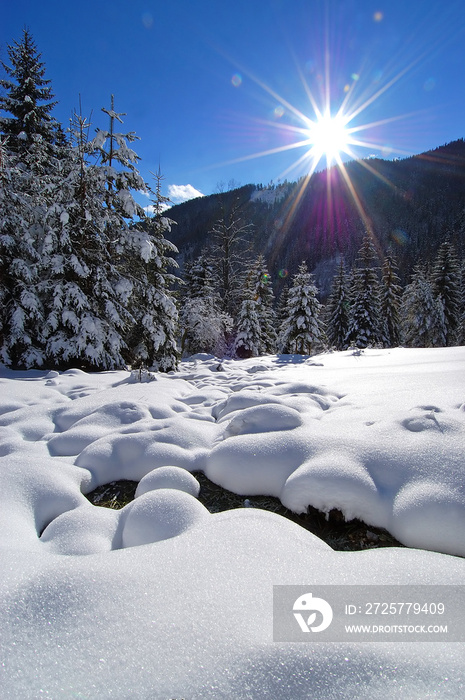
(163, 599)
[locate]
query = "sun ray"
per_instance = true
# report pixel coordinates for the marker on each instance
(353, 192)
(375, 96)
(260, 154)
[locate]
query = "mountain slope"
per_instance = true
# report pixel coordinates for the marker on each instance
(410, 205)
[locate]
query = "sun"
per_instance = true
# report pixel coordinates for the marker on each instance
(328, 136)
(327, 131)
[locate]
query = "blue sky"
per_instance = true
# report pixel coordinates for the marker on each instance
(209, 84)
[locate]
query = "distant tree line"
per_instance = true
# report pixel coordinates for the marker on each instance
(87, 276)
(367, 306)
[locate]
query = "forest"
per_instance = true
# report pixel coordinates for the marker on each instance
(90, 279)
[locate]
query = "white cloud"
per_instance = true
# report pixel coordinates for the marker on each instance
(150, 209)
(181, 193)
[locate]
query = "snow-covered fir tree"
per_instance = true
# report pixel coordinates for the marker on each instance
(365, 325)
(140, 309)
(338, 310)
(28, 136)
(258, 289)
(248, 326)
(199, 276)
(391, 293)
(107, 288)
(204, 326)
(262, 293)
(301, 331)
(461, 327)
(21, 310)
(446, 285)
(281, 308)
(423, 322)
(27, 101)
(152, 340)
(117, 163)
(86, 296)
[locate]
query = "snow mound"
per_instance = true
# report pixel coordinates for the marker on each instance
(83, 431)
(333, 480)
(159, 515)
(241, 400)
(259, 419)
(168, 478)
(256, 464)
(431, 516)
(84, 530)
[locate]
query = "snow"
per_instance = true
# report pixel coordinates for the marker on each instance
(160, 514)
(269, 195)
(162, 599)
(168, 478)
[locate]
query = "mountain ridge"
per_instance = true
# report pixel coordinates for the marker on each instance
(409, 205)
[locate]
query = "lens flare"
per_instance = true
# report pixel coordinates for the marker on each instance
(147, 20)
(429, 84)
(236, 79)
(400, 237)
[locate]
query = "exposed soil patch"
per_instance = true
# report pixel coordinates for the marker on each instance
(116, 494)
(333, 529)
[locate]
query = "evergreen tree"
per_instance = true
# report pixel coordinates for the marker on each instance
(199, 277)
(249, 329)
(118, 170)
(281, 309)
(301, 331)
(29, 145)
(365, 325)
(128, 249)
(423, 315)
(258, 281)
(83, 288)
(28, 97)
(390, 301)
(461, 326)
(153, 305)
(446, 284)
(21, 311)
(107, 290)
(338, 310)
(204, 325)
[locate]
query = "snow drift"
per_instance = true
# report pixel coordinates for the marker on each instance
(162, 599)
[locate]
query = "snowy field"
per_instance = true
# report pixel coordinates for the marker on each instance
(163, 599)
